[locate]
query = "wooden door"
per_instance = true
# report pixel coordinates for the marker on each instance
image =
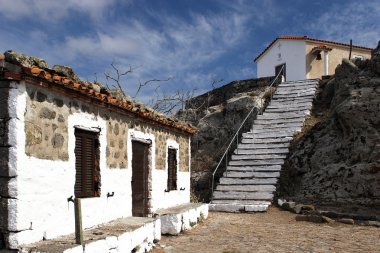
(140, 176)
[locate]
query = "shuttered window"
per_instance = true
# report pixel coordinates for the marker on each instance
(172, 169)
(87, 179)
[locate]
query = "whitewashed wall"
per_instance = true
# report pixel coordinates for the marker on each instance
(291, 52)
(43, 186)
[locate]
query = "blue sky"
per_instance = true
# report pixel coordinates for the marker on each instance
(192, 41)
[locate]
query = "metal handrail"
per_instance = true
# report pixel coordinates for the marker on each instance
(236, 135)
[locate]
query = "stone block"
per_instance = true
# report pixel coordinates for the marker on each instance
(202, 211)
(11, 241)
(13, 127)
(327, 219)
(171, 224)
(8, 162)
(4, 161)
(298, 208)
(289, 206)
(346, 221)
(3, 214)
(186, 223)
(4, 98)
(4, 132)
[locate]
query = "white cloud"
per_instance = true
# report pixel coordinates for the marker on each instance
(179, 47)
(52, 9)
(183, 45)
(356, 20)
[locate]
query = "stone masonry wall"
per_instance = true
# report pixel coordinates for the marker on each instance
(47, 134)
(46, 126)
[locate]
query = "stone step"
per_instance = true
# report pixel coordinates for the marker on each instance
(256, 162)
(295, 89)
(267, 151)
(298, 109)
(294, 95)
(282, 140)
(277, 134)
(251, 174)
(274, 130)
(243, 195)
(303, 85)
(277, 105)
(237, 157)
(291, 104)
(248, 181)
(278, 125)
(246, 188)
(263, 146)
(265, 121)
(293, 100)
(237, 208)
(285, 115)
(254, 168)
(282, 90)
(240, 202)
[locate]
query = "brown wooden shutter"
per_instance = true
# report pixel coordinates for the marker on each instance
(172, 169)
(86, 162)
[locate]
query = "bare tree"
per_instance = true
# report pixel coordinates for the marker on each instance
(117, 79)
(165, 103)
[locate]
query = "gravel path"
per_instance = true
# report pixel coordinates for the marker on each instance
(274, 231)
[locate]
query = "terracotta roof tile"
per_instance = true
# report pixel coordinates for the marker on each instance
(51, 76)
(305, 38)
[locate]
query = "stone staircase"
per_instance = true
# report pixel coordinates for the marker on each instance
(250, 180)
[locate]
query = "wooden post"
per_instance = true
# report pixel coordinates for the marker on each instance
(349, 57)
(78, 221)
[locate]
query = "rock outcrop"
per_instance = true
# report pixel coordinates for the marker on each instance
(337, 162)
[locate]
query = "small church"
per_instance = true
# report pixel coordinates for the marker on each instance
(302, 57)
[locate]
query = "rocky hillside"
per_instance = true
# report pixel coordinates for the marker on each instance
(337, 161)
(217, 115)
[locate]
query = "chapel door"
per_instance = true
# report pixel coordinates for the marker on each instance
(281, 69)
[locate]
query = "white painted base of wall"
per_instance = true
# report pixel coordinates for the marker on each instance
(173, 222)
(142, 239)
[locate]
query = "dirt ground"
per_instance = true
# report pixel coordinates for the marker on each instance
(274, 231)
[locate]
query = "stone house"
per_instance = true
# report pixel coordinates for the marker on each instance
(301, 57)
(61, 138)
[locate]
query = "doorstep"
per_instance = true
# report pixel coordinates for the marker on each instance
(182, 217)
(120, 235)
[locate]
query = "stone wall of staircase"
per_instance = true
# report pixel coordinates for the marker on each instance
(250, 180)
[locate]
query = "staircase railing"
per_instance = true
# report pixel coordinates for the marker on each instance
(236, 135)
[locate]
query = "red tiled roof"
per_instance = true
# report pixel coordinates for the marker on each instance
(305, 38)
(48, 78)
